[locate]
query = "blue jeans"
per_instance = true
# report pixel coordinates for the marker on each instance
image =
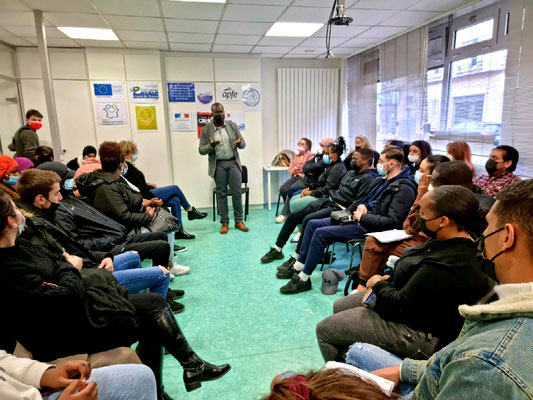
(318, 234)
(121, 382)
(369, 358)
(174, 198)
(129, 273)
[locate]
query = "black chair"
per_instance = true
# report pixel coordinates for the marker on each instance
(353, 243)
(244, 190)
(277, 207)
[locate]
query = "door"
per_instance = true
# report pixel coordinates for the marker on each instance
(10, 116)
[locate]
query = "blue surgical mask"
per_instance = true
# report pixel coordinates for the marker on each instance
(12, 181)
(125, 170)
(326, 159)
(381, 170)
(418, 174)
(69, 184)
(135, 157)
(21, 226)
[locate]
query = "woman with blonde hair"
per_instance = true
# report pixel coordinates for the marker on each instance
(361, 142)
(460, 151)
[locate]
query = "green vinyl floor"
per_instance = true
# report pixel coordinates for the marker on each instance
(234, 312)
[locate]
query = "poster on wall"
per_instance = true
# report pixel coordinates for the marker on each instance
(202, 119)
(181, 122)
(146, 118)
(251, 97)
(144, 92)
(111, 113)
(109, 92)
(205, 95)
(239, 119)
(229, 93)
(181, 92)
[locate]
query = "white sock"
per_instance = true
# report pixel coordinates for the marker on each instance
(298, 266)
(277, 248)
(303, 276)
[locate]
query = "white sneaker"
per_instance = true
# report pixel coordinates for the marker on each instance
(296, 237)
(172, 277)
(178, 270)
(280, 219)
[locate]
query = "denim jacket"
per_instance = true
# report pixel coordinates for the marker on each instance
(491, 359)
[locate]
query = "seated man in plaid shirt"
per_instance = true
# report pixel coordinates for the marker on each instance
(500, 167)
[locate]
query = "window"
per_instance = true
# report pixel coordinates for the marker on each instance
(467, 109)
(474, 34)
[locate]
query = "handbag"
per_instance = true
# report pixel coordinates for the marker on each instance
(164, 221)
(342, 217)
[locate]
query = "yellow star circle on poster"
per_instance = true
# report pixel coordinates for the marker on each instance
(146, 118)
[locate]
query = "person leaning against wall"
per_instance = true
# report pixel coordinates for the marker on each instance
(25, 140)
(220, 140)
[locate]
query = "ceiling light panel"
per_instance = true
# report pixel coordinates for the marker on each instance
(88, 33)
(293, 29)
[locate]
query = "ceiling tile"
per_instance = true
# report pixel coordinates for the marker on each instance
(320, 41)
(441, 5)
(76, 20)
(5, 34)
(78, 6)
(176, 9)
(135, 44)
(300, 55)
(19, 18)
(190, 37)
(99, 43)
(190, 47)
(137, 23)
(381, 32)
(223, 48)
(17, 41)
(262, 2)
(320, 3)
(141, 8)
(280, 41)
(410, 18)
(369, 17)
(191, 26)
(357, 42)
(29, 31)
(245, 28)
(306, 14)
(307, 50)
(272, 49)
(342, 31)
(272, 55)
(144, 36)
(13, 5)
(252, 13)
(55, 42)
(236, 39)
(385, 4)
(346, 50)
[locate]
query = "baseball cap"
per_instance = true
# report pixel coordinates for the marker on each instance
(60, 169)
(330, 280)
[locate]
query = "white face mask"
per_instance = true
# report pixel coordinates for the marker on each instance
(413, 158)
(430, 187)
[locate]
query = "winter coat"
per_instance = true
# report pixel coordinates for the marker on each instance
(312, 170)
(354, 187)
(25, 142)
(114, 198)
(329, 181)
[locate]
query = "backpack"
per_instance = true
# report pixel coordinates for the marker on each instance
(283, 158)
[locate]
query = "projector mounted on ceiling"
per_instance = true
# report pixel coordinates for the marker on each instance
(338, 19)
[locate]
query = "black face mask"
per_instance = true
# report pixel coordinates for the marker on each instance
(357, 147)
(51, 212)
(487, 265)
(354, 166)
(491, 166)
(424, 229)
(219, 118)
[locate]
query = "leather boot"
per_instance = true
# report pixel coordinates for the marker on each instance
(195, 214)
(151, 355)
(195, 370)
(181, 234)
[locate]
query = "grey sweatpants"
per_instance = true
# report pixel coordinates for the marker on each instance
(352, 322)
(228, 173)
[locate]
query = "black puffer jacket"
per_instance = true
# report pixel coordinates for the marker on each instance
(429, 282)
(88, 226)
(354, 187)
(329, 181)
(312, 170)
(114, 198)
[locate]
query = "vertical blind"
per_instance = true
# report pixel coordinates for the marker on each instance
(308, 101)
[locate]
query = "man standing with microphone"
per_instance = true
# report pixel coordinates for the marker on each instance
(220, 140)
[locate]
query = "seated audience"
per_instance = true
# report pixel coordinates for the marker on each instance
(500, 166)
(100, 314)
(33, 380)
(326, 384)
(414, 312)
(328, 180)
(361, 142)
(296, 173)
(491, 358)
(26, 140)
(87, 166)
(9, 175)
(43, 154)
(460, 151)
(418, 152)
(171, 196)
(385, 207)
(24, 163)
(353, 187)
(88, 153)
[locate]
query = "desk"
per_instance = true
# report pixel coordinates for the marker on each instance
(269, 169)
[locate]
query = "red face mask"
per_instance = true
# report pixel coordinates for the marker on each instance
(35, 125)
